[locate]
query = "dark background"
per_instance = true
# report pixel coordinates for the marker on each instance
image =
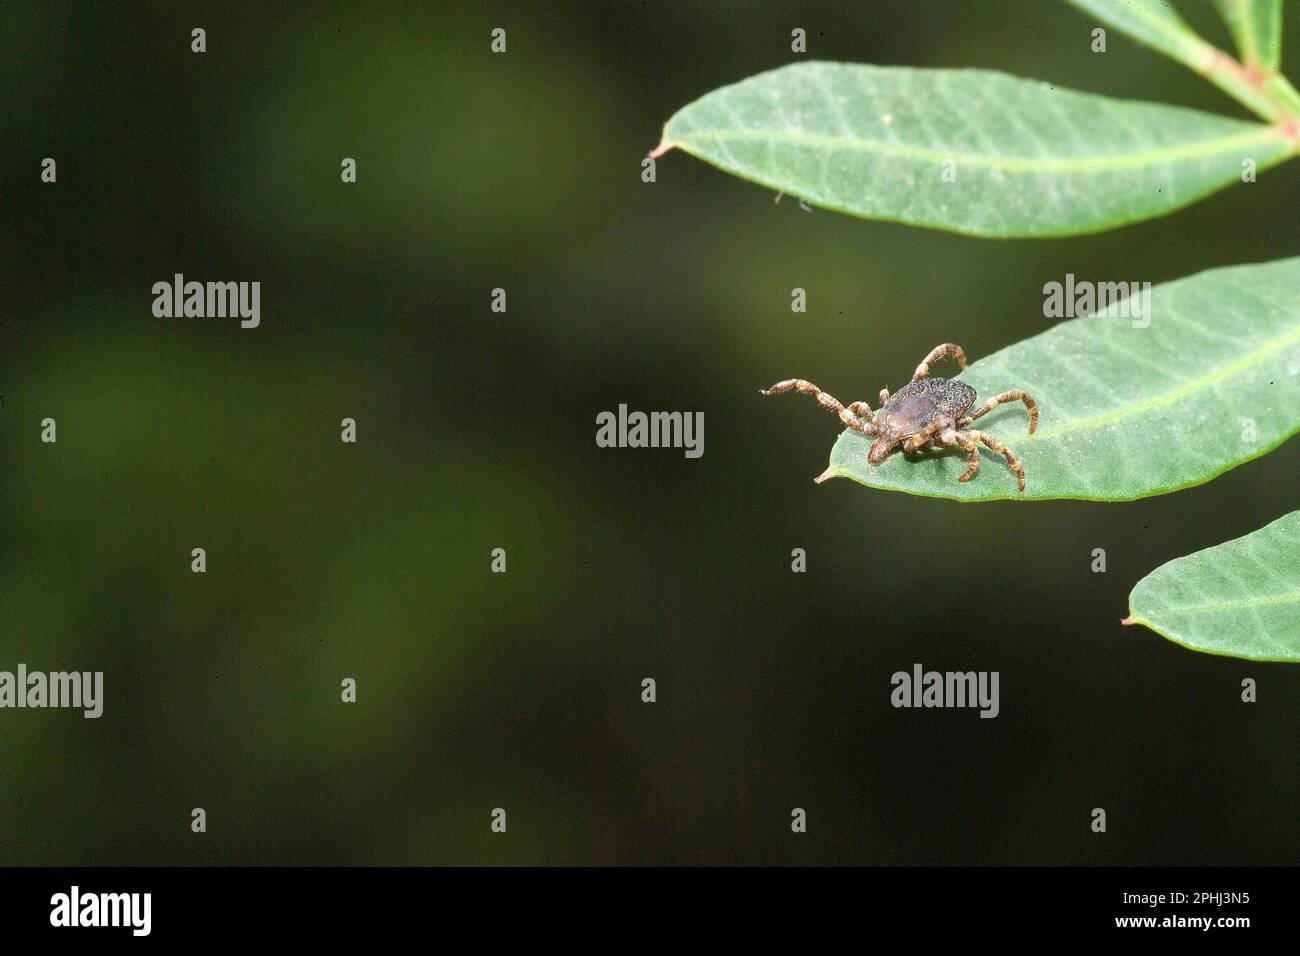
(476, 431)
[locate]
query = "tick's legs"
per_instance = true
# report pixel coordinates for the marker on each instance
(884, 396)
(858, 415)
(1015, 395)
(1000, 447)
(947, 348)
(912, 454)
(862, 410)
(926, 436)
(968, 445)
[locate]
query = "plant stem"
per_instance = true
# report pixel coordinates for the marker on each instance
(1285, 94)
(1251, 87)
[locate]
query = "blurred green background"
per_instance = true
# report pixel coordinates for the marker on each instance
(476, 431)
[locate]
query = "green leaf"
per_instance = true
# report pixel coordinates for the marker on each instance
(1256, 27)
(1156, 24)
(1153, 23)
(1029, 159)
(1126, 412)
(1240, 598)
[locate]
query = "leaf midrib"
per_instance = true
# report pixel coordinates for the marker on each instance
(1226, 605)
(1275, 345)
(1249, 41)
(1193, 150)
(1175, 30)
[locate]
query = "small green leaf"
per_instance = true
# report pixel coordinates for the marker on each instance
(1156, 24)
(1153, 23)
(1125, 412)
(1240, 598)
(1256, 27)
(968, 150)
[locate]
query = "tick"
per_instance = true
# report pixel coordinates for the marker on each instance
(925, 413)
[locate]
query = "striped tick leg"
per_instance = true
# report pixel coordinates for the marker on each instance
(857, 415)
(925, 438)
(947, 348)
(1000, 447)
(1015, 395)
(973, 456)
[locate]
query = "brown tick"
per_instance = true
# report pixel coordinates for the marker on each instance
(925, 413)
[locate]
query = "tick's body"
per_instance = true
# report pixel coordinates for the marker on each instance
(914, 405)
(925, 413)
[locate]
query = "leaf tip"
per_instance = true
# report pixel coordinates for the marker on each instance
(1128, 621)
(662, 148)
(826, 475)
